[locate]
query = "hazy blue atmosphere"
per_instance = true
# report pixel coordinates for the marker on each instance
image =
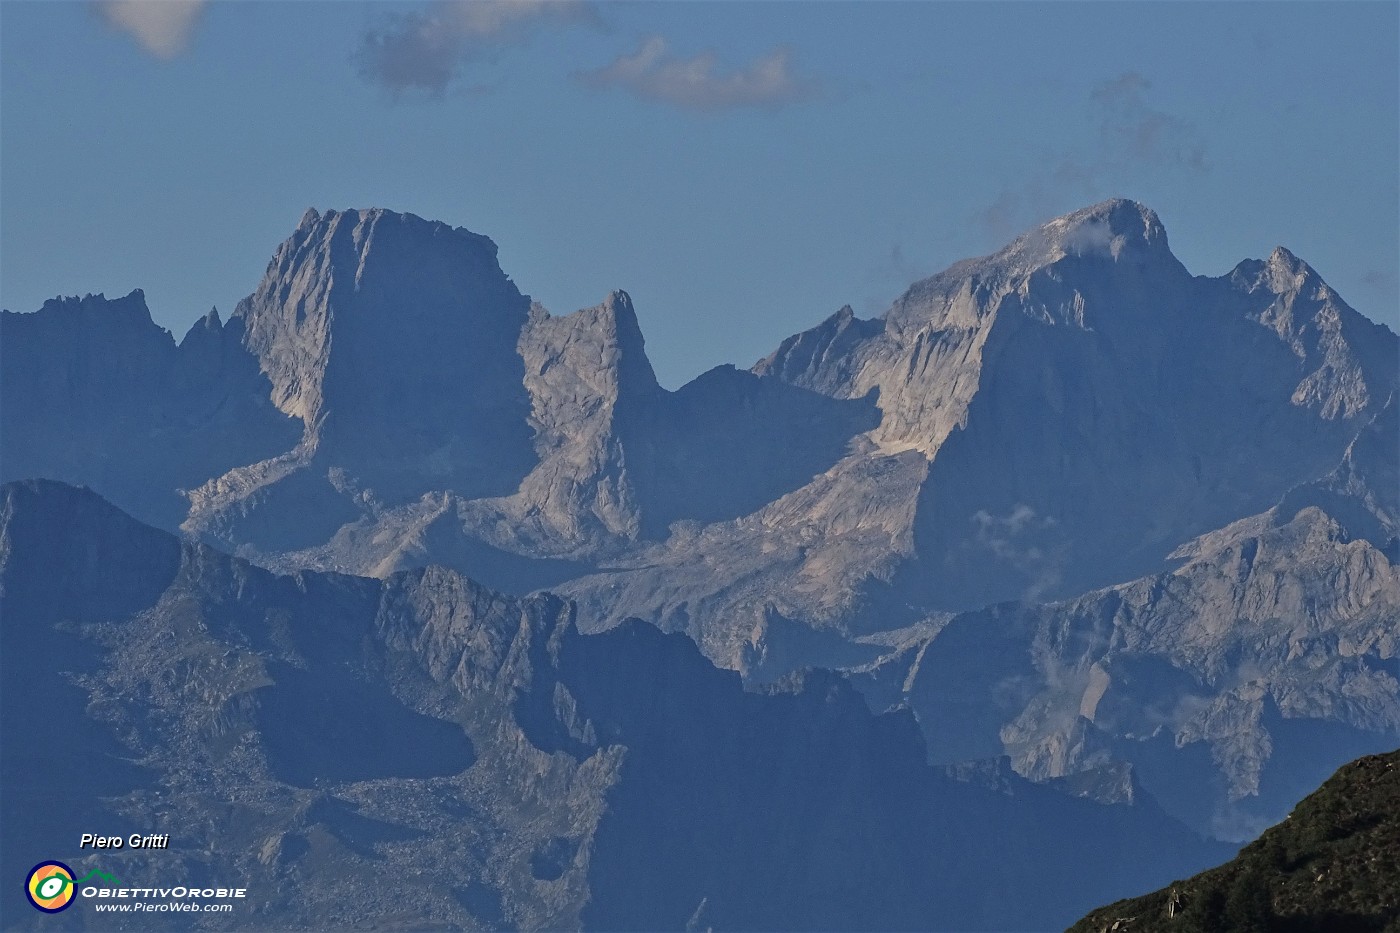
(791, 587)
(742, 170)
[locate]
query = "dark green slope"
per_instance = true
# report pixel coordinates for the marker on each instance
(1332, 866)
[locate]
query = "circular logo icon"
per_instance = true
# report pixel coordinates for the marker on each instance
(49, 886)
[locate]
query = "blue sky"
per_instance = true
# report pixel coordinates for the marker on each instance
(742, 169)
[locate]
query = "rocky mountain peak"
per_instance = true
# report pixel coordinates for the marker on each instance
(1110, 230)
(114, 337)
(1044, 423)
(1117, 238)
(1284, 258)
(1282, 274)
(1286, 273)
(1110, 227)
(806, 359)
(98, 314)
(376, 240)
(1348, 361)
(618, 312)
(600, 348)
(413, 304)
(206, 329)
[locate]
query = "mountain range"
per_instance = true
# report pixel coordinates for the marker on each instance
(1089, 524)
(422, 752)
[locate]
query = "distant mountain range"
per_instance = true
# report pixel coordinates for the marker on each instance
(1099, 524)
(422, 752)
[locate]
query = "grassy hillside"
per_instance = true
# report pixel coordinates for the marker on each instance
(1333, 866)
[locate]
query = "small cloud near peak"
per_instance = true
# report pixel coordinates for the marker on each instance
(161, 27)
(697, 83)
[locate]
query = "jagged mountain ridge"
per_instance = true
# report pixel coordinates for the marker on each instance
(1229, 685)
(1036, 439)
(93, 391)
(1222, 714)
(438, 360)
(1070, 413)
(420, 751)
(1082, 373)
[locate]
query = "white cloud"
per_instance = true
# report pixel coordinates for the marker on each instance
(1092, 238)
(162, 27)
(697, 84)
(423, 50)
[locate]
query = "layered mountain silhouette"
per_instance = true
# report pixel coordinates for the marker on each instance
(419, 751)
(1131, 529)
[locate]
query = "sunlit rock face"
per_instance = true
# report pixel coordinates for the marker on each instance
(422, 751)
(1034, 439)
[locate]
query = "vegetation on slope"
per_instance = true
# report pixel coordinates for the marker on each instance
(1333, 865)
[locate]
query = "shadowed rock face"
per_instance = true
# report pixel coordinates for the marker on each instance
(730, 442)
(1081, 404)
(94, 392)
(1231, 684)
(1073, 424)
(393, 340)
(386, 397)
(1087, 405)
(423, 751)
